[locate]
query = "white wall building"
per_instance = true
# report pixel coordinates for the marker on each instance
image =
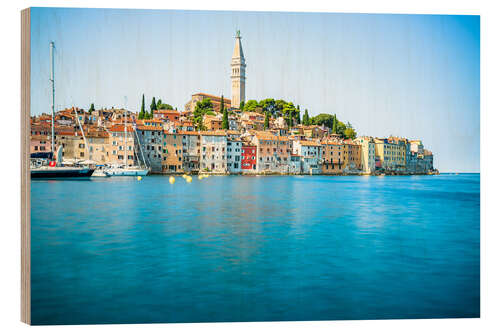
(233, 155)
(310, 152)
(367, 153)
(213, 152)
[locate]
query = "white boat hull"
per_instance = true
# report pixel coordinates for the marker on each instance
(127, 172)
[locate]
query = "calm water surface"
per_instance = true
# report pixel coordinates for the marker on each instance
(237, 248)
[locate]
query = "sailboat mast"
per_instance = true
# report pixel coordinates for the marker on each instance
(126, 138)
(126, 152)
(53, 92)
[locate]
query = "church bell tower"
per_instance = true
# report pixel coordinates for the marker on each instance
(237, 73)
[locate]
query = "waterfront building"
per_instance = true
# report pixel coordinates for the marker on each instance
(190, 151)
(352, 157)
(367, 153)
(149, 145)
(98, 146)
(332, 156)
(73, 145)
(171, 152)
(167, 115)
(386, 152)
(248, 158)
(310, 153)
(234, 154)
(238, 68)
(40, 143)
(400, 158)
(428, 161)
(273, 152)
(44, 128)
(412, 162)
(213, 152)
(417, 147)
(295, 164)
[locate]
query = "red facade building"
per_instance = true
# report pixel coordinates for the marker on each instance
(249, 158)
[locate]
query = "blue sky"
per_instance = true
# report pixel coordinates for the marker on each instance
(415, 76)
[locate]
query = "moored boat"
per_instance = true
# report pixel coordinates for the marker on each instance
(127, 171)
(48, 172)
(43, 166)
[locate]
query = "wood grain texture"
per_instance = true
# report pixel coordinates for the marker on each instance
(25, 174)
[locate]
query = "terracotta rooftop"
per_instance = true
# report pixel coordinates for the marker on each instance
(226, 100)
(309, 143)
(120, 128)
(165, 111)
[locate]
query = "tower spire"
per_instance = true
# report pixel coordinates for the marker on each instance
(238, 78)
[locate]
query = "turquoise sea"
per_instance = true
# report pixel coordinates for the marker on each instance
(238, 248)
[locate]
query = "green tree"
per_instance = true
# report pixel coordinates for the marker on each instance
(163, 106)
(280, 105)
(335, 124)
(297, 115)
(323, 119)
(242, 105)
(289, 111)
(305, 119)
(268, 105)
(202, 108)
(225, 120)
(341, 127)
(250, 105)
(142, 114)
(91, 108)
(152, 107)
(221, 109)
(266, 121)
(349, 132)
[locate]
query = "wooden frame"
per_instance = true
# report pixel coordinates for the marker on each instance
(25, 175)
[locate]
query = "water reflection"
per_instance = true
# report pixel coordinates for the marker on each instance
(255, 248)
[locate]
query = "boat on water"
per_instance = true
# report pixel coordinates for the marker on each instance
(47, 172)
(122, 170)
(101, 171)
(42, 166)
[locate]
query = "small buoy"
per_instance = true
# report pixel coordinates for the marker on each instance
(184, 176)
(200, 177)
(139, 177)
(171, 180)
(189, 179)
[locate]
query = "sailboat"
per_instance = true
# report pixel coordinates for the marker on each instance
(43, 165)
